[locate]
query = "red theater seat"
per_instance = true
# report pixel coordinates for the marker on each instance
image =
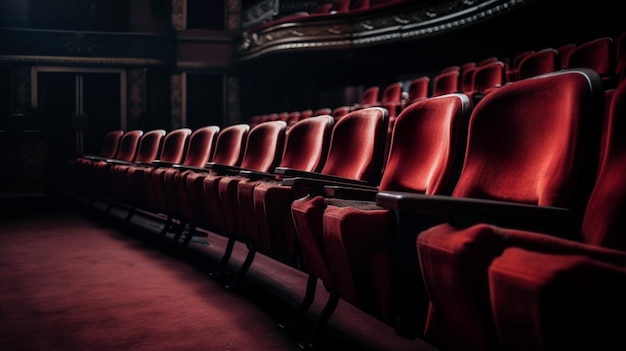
(425, 156)
(513, 297)
(506, 179)
(189, 208)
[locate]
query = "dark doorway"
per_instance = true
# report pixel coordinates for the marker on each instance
(205, 99)
(75, 110)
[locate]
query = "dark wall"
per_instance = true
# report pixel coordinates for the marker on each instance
(79, 15)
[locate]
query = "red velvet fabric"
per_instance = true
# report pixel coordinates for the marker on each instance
(81, 167)
(264, 148)
(418, 89)
(229, 147)
(546, 301)
(533, 152)
(512, 71)
(446, 83)
(306, 147)
(538, 63)
(597, 54)
(122, 176)
(454, 261)
(345, 243)
(97, 181)
(202, 143)
(173, 149)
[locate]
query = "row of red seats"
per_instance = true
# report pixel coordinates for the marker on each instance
(605, 55)
(319, 197)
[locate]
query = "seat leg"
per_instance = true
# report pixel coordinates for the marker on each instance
(321, 322)
(307, 301)
(191, 230)
(243, 269)
(166, 228)
(130, 214)
(221, 270)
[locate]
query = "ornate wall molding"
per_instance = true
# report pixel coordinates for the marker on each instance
(179, 14)
(233, 15)
(136, 93)
(177, 100)
(109, 48)
(410, 21)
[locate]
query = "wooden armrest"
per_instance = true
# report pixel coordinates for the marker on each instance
(160, 163)
(467, 211)
(191, 168)
(256, 175)
(288, 173)
(94, 157)
(118, 162)
(364, 193)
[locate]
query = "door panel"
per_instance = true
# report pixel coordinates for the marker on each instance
(100, 107)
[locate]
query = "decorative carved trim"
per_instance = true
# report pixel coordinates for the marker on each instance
(123, 61)
(178, 14)
(55, 46)
(177, 100)
(233, 15)
(232, 102)
(354, 31)
(22, 84)
(136, 93)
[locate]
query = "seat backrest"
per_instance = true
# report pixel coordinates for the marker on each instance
(150, 146)
(418, 89)
(306, 114)
(597, 54)
(174, 145)
(340, 111)
(392, 93)
(604, 224)
(513, 69)
(534, 141)
(110, 143)
(201, 146)
(323, 111)
(427, 145)
(264, 146)
(540, 62)
(306, 144)
(564, 53)
(466, 76)
(489, 76)
(129, 145)
(446, 83)
(370, 96)
(231, 141)
(357, 145)
(293, 117)
(283, 116)
(486, 60)
(454, 68)
(254, 120)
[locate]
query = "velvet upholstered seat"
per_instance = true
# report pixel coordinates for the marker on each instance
(161, 193)
(529, 289)
(218, 192)
(425, 156)
(306, 147)
(188, 207)
(530, 163)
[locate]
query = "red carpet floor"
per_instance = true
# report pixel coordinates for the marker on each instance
(74, 280)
